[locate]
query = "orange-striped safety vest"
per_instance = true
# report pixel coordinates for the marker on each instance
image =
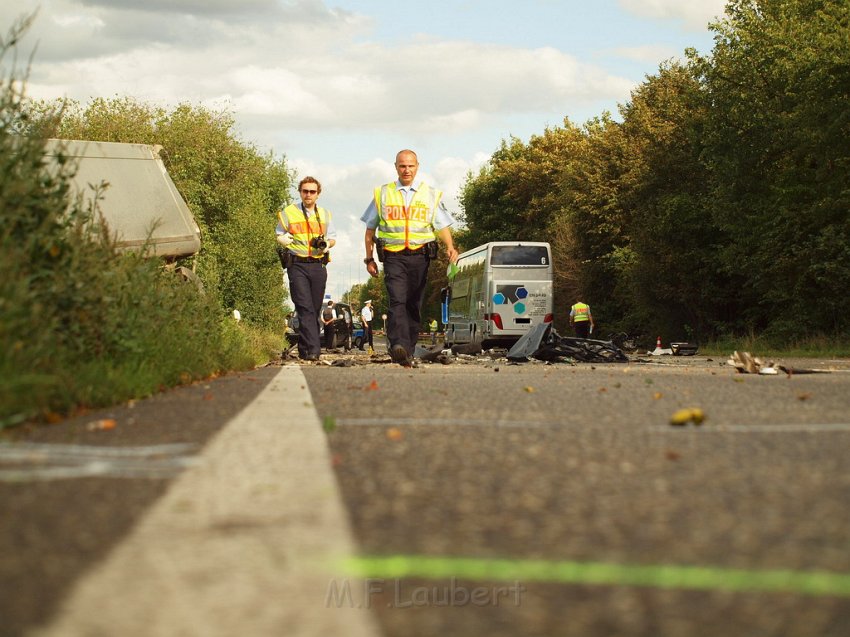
(303, 229)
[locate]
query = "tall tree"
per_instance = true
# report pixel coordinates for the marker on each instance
(778, 142)
(671, 273)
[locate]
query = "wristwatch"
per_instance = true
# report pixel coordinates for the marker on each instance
(368, 260)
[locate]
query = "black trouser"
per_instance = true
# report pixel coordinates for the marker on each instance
(307, 290)
(582, 328)
(367, 337)
(405, 274)
(329, 335)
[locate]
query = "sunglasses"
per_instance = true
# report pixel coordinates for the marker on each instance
(309, 192)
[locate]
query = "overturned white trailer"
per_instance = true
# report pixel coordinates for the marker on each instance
(141, 205)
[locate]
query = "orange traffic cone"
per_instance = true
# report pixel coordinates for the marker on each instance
(658, 343)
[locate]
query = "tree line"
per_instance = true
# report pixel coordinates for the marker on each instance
(716, 204)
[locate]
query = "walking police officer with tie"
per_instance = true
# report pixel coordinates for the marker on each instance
(403, 221)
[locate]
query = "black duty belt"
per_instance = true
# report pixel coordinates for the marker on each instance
(406, 251)
(296, 259)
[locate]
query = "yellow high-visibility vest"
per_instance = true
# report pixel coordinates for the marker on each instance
(403, 226)
(303, 229)
(581, 312)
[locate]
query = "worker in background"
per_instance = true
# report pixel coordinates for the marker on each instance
(581, 319)
(432, 327)
(306, 233)
(403, 220)
(366, 315)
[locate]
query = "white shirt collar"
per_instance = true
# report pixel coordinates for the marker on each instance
(412, 187)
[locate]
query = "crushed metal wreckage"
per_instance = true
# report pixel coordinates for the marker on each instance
(541, 343)
(544, 343)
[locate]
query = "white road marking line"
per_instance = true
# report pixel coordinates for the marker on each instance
(392, 422)
(35, 462)
(715, 428)
(783, 428)
(26, 449)
(239, 544)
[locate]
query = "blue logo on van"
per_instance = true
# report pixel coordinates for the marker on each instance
(511, 294)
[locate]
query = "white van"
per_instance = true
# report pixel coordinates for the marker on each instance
(497, 292)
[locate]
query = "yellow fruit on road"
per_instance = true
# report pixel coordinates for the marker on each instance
(682, 417)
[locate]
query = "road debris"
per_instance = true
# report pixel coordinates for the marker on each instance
(746, 363)
(434, 354)
(684, 349)
(683, 417)
(542, 342)
(104, 424)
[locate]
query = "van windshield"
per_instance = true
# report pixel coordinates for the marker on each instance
(519, 255)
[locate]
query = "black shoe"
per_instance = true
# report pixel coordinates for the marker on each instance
(400, 356)
(310, 357)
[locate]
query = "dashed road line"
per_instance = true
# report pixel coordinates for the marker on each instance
(715, 428)
(36, 462)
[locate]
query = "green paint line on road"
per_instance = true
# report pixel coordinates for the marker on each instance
(709, 578)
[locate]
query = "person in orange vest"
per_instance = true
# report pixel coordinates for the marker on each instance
(305, 234)
(404, 220)
(581, 319)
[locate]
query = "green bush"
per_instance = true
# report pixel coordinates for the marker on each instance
(82, 325)
(232, 190)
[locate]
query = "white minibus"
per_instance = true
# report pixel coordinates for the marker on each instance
(497, 292)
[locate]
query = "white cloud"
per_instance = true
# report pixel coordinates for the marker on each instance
(296, 77)
(695, 14)
(193, 6)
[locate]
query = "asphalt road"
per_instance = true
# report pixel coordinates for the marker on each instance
(565, 483)
(52, 530)
(578, 465)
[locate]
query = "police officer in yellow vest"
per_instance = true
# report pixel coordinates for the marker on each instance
(581, 319)
(404, 219)
(307, 233)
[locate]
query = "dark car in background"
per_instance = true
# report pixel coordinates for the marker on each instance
(358, 334)
(343, 326)
(343, 329)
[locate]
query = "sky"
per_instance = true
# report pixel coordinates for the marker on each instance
(337, 87)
